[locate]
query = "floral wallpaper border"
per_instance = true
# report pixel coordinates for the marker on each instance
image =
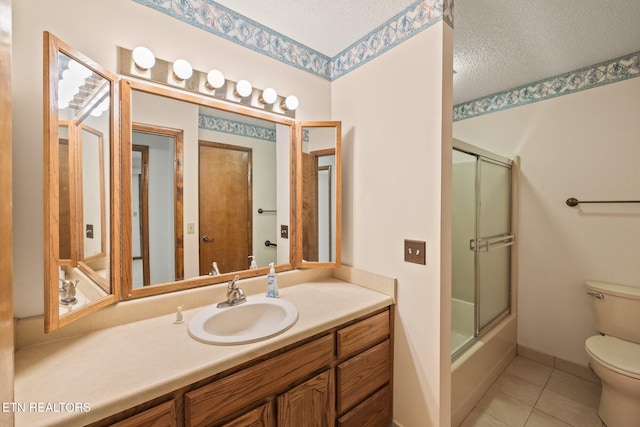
(611, 71)
(236, 128)
(221, 21)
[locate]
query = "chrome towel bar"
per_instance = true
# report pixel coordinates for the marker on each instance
(494, 242)
(575, 202)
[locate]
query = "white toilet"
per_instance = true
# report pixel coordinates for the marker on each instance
(615, 356)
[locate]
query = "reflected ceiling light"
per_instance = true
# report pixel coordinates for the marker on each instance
(143, 58)
(269, 96)
(182, 69)
(79, 70)
(215, 79)
(243, 89)
(100, 108)
(290, 103)
(72, 79)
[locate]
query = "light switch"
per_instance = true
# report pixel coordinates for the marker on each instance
(191, 228)
(415, 251)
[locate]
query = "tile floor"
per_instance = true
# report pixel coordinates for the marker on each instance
(531, 394)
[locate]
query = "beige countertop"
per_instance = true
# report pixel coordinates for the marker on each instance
(101, 372)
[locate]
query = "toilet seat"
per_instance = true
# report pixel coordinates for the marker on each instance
(616, 354)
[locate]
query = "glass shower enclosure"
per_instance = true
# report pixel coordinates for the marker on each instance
(482, 240)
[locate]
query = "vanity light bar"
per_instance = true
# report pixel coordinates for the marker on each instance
(180, 74)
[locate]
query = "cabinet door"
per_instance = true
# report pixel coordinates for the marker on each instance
(311, 404)
(161, 416)
(262, 416)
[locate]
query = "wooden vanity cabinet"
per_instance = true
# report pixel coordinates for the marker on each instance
(340, 378)
(163, 415)
(262, 416)
(364, 374)
(310, 404)
(214, 402)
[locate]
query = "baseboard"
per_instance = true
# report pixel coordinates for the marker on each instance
(573, 368)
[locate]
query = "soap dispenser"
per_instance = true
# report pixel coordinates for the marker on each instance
(254, 264)
(272, 283)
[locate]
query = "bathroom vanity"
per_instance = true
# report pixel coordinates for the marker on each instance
(334, 364)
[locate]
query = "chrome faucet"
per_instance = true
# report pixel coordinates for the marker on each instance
(214, 269)
(68, 292)
(235, 295)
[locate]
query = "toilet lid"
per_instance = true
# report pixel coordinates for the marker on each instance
(620, 355)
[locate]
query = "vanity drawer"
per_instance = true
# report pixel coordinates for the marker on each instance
(363, 374)
(231, 394)
(363, 335)
(373, 412)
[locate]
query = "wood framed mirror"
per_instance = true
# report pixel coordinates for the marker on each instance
(234, 197)
(82, 185)
(319, 194)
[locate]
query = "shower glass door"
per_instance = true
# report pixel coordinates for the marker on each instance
(493, 246)
(463, 274)
(482, 240)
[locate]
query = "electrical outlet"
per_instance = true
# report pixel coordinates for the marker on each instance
(284, 231)
(415, 251)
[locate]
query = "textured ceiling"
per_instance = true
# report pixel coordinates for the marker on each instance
(498, 44)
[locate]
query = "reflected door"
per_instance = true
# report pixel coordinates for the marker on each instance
(224, 207)
(157, 211)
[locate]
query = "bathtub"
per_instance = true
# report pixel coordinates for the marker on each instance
(477, 368)
(462, 313)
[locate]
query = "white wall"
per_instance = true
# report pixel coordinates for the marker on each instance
(583, 145)
(96, 29)
(396, 122)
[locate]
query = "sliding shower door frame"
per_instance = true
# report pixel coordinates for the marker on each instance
(486, 156)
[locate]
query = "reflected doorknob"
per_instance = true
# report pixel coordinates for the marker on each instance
(207, 239)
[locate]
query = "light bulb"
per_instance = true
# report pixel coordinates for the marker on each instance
(290, 103)
(269, 96)
(143, 58)
(182, 69)
(215, 79)
(243, 88)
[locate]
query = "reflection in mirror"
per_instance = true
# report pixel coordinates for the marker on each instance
(79, 140)
(157, 158)
(234, 178)
(319, 195)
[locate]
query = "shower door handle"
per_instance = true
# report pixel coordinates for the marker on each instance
(494, 242)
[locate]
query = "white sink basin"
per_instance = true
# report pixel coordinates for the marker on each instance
(257, 319)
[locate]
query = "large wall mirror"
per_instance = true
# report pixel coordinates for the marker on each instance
(81, 158)
(209, 185)
(179, 190)
(319, 200)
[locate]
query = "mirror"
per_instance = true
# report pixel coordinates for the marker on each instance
(80, 182)
(319, 200)
(209, 183)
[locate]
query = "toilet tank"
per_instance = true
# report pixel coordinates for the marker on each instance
(616, 309)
